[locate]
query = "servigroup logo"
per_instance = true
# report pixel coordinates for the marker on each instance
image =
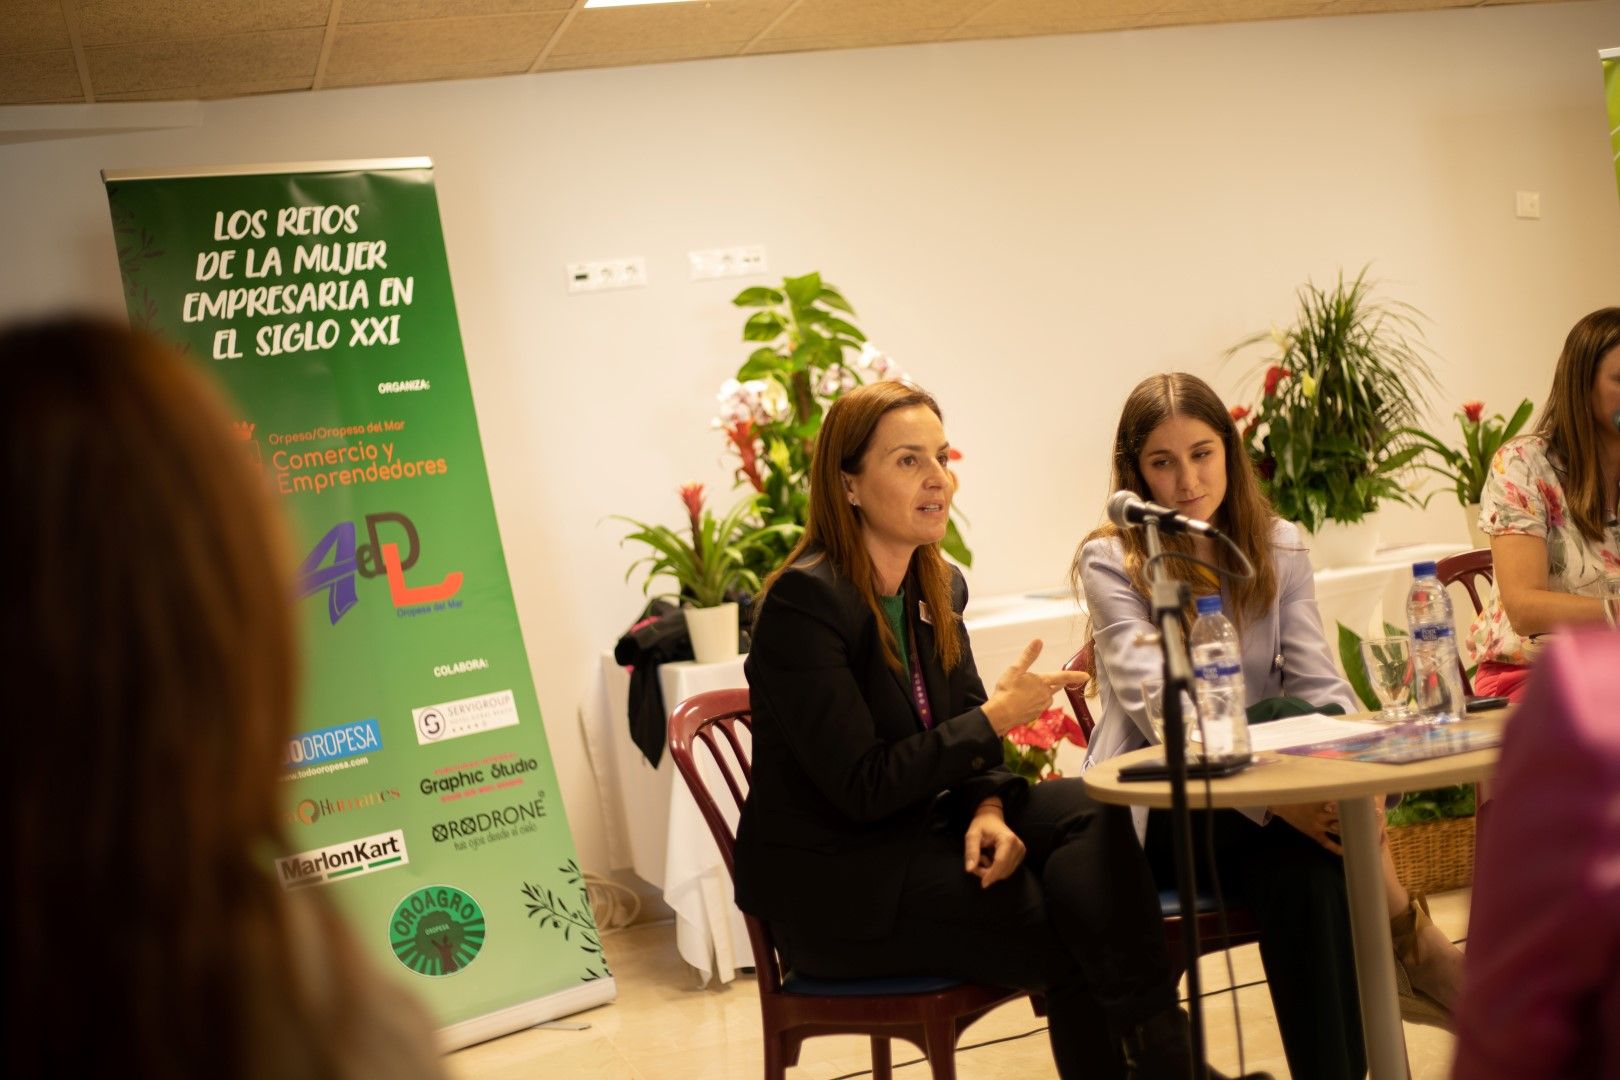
(436, 931)
(370, 560)
(465, 716)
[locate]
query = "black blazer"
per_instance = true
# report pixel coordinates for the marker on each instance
(845, 778)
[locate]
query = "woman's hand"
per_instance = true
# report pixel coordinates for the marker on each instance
(1020, 694)
(1319, 821)
(993, 850)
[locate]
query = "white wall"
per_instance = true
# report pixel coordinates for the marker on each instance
(1029, 226)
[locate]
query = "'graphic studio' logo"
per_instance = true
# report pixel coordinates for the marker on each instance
(437, 931)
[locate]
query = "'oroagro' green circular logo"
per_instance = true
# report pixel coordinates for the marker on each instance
(437, 930)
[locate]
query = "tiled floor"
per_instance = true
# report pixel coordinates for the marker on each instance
(664, 1027)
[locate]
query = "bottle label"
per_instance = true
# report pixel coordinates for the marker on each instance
(1432, 632)
(1221, 669)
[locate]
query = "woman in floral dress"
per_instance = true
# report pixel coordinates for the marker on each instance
(1549, 509)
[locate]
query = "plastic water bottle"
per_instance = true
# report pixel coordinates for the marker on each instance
(1217, 658)
(1436, 675)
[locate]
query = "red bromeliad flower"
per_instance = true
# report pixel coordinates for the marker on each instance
(692, 496)
(1239, 412)
(741, 437)
(954, 454)
(1275, 374)
(1473, 410)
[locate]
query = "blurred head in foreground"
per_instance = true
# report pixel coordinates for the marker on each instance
(148, 639)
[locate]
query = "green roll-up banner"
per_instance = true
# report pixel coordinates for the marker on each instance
(1611, 92)
(420, 792)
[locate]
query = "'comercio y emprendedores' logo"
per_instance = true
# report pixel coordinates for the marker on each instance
(351, 858)
(436, 931)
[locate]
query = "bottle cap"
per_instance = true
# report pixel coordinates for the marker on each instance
(1209, 605)
(1423, 569)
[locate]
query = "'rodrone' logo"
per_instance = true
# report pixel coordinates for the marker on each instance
(373, 559)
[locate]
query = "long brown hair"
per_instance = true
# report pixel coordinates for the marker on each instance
(149, 644)
(1567, 420)
(1244, 514)
(834, 529)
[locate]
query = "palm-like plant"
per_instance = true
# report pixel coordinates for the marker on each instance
(711, 561)
(1483, 436)
(1331, 434)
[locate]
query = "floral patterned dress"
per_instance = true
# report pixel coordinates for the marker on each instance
(1524, 495)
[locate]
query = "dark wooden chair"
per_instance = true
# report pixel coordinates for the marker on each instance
(929, 1012)
(1466, 570)
(1240, 928)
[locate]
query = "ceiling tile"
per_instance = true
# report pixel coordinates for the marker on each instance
(895, 36)
(32, 78)
(261, 57)
(665, 54)
(211, 91)
(32, 26)
(440, 43)
(364, 11)
(661, 26)
(409, 71)
(1368, 7)
(862, 18)
(1056, 16)
(123, 22)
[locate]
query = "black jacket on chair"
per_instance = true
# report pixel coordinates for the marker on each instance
(845, 779)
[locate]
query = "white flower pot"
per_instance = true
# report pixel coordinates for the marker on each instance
(1336, 544)
(1475, 537)
(713, 631)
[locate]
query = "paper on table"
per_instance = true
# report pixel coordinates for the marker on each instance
(1306, 730)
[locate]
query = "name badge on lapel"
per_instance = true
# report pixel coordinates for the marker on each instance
(922, 612)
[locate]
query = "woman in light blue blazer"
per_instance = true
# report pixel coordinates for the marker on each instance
(1177, 445)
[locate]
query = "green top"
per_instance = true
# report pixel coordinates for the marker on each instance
(895, 608)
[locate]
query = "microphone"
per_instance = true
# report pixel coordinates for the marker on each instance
(1127, 508)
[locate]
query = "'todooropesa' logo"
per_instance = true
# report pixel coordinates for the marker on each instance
(368, 561)
(437, 930)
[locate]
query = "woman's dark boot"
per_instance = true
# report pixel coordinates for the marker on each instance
(1160, 1048)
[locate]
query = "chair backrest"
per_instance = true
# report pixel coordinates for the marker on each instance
(1085, 660)
(1466, 570)
(712, 719)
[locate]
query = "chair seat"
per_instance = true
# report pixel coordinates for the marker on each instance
(905, 984)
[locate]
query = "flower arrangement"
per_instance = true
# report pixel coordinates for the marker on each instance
(771, 411)
(1030, 750)
(1330, 435)
(711, 560)
(1468, 467)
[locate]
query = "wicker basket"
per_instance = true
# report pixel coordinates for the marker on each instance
(1434, 856)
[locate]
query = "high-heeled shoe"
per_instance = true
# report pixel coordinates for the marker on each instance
(1416, 1006)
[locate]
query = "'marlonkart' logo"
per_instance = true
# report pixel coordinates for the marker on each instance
(368, 560)
(352, 858)
(437, 931)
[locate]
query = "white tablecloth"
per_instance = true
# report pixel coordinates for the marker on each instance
(653, 826)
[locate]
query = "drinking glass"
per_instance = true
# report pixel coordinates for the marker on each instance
(1609, 590)
(1153, 694)
(1389, 669)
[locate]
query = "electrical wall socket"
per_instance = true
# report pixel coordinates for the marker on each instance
(1527, 204)
(626, 273)
(727, 262)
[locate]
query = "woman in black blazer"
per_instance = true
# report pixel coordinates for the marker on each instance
(882, 835)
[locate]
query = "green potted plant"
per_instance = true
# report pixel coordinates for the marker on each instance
(1468, 466)
(1338, 397)
(709, 564)
(809, 353)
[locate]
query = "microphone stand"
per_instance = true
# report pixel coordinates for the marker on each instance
(1167, 597)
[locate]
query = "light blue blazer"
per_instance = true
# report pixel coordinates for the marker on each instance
(1284, 650)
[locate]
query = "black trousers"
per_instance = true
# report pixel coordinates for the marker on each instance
(1079, 920)
(1296, 889)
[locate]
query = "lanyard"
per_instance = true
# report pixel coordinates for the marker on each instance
(919, 692)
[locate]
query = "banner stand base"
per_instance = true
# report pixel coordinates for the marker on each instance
(527, 1014)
